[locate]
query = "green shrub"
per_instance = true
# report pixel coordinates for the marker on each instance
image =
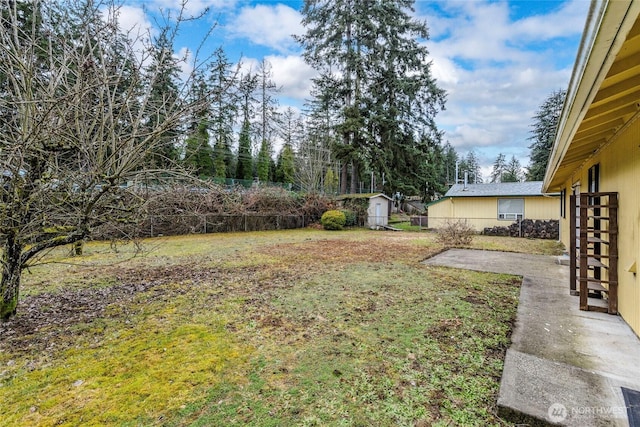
(350, 217)
(333, 220)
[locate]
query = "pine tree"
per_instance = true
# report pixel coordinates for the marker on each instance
(378, 74)
(246, 92)
(499, 167)
(244, 168)
(198, 152)
(450, 159)
(434, 171)
(223, 83)
(513, 171)
(263, 163)
(471, 165)
(290, 131)
(331, 181)
(285, 169)
(545, 124)
(162, 75)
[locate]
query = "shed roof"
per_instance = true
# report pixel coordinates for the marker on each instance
(363, 196)
(529, 188)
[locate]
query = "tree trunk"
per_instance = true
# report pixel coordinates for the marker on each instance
(10, 282)
(354, 178)
(344, 178)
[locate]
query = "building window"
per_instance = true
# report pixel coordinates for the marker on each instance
(510, 209)
(563, 203)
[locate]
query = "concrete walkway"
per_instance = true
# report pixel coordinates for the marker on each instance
(564, 366)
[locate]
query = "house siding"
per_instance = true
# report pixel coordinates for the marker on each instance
(481, 212)
(619, 172)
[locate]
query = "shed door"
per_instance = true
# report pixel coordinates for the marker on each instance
(379, 214)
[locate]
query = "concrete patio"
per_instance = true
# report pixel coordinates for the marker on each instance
(564, 366)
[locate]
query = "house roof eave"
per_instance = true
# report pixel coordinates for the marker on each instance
(609, 23)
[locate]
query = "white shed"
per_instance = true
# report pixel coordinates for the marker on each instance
(378, 211)
(377, 206)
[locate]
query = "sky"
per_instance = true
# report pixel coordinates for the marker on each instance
(498, 61)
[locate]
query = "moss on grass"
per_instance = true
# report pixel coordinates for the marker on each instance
(124, 373)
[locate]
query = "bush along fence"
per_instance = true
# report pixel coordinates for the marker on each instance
(175, 225)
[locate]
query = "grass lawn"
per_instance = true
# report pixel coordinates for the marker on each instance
(302, 327)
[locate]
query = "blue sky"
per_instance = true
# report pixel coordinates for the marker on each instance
(497, 60)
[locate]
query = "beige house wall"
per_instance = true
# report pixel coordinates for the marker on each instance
(481, 212)
(439, 213)
(620, 172)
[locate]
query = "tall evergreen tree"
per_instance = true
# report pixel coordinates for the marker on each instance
(162, 77)
(244, 168)
(513, 171)
(434, 171)
(263, 163)
(285, 169)
(246, 92)
(373, 64)
(290, 131)
(471, 166)
(450, 159)
(223, 83)
(198, 153)
(269, 120)
(499, 167)
(545, 124)
(331, 181)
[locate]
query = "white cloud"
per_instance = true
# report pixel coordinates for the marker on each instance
(134, 22)
(185, 58)
(560, 23)
(135, 25)
(267, 25)
(192, 7)
(444, 70)
(249, 65)
(293, 75)
(497, 70)
(290, 74)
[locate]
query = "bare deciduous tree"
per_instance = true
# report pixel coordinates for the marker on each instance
(75, 107)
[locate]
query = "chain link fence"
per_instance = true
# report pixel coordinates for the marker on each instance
(165, 225)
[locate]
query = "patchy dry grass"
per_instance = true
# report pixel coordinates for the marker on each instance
(512, 244)
(300, 327)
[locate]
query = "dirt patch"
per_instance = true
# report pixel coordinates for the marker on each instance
(324, 252)
(474, 299)
(42, 319)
